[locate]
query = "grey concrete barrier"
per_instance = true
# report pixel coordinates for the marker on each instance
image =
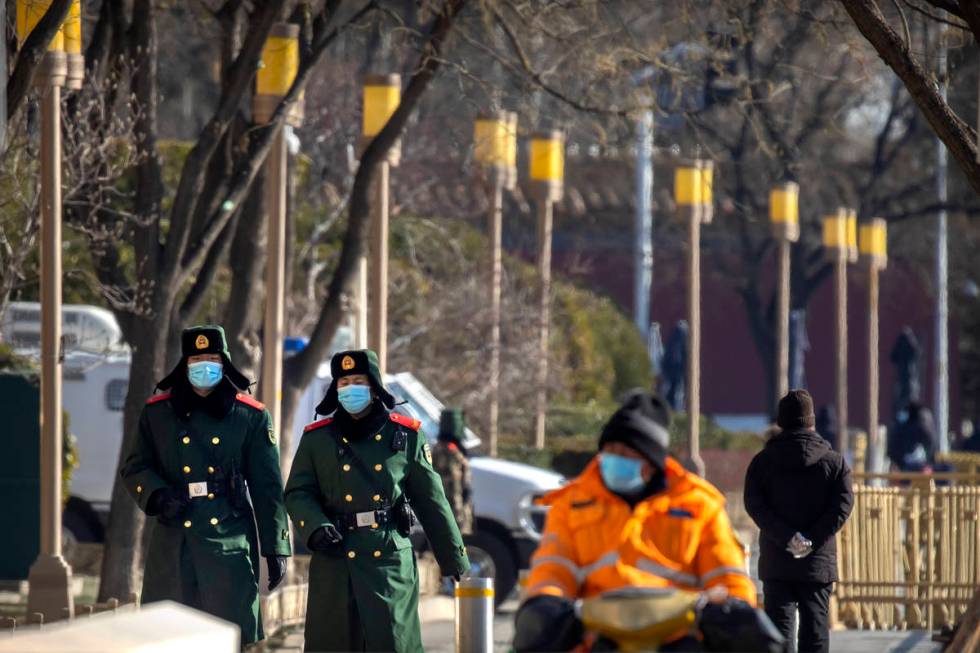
(474, 615)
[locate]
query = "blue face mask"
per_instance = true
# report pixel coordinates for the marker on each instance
(621, 474)
(205, 374)
(354, 398)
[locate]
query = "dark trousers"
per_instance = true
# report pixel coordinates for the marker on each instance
(783, 598)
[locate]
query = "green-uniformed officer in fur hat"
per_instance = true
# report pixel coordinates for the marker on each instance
(201, 442)
(353, 477)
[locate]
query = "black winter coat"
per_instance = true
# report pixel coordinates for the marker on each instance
(797, 483)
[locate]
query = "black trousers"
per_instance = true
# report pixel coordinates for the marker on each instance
(783, 598)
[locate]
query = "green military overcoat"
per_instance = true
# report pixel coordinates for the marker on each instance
(210, 561)
(364, 596)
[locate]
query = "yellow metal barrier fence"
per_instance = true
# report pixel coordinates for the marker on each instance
(909, 556)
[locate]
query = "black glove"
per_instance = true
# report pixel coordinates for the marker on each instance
(736, 626)
(547, 623)
(169, 504)
(277, 570)
(324, 539)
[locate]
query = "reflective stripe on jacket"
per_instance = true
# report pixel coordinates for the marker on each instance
(593, 542)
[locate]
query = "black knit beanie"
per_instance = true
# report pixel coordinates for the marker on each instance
(796, 411)
(641, 423)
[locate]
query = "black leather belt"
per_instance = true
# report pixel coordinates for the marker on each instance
(354, 520)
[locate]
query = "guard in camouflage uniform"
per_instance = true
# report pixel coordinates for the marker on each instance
(200, 444)
(449, 458)
(354, 475)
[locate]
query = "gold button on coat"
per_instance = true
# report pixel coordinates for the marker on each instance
(186, 440)
(139, 489)
(187, 470)
(187, 524)
(378, 437)
(211, 495)
(302, 523)
(215, 440)
(210, 469)
(346, 468)
(214, 521)
(378, 468)
(345, 440)
(348, 498)
(377, 497)
(374, 525)
(377, 554)
(351, 555)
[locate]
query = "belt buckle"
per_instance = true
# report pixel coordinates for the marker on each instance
(197, 489)
(365, 519)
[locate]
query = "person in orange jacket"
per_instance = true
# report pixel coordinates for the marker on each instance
(634, 518)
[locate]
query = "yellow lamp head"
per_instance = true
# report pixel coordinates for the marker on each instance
(835, 234)
(382, 93)
(874, 242)
(280, 61)
(547, 159)
(688, 185)
(784, 211)
(29, 14)
(491, 140)
(72, 29)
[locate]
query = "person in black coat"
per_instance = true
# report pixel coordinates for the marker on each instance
(798, 492)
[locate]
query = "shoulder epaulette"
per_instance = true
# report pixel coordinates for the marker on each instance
(248, 400)
(317, 424)
(158, 397)
(410, 422)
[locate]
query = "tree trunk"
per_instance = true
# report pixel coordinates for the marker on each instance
(247, 259)
(122, 562)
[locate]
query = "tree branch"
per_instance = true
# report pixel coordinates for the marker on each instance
(954, 132)
(302, 366)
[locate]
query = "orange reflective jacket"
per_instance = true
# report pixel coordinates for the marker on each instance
(593, 542)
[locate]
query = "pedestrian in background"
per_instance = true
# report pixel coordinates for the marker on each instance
(798, 492)
(913, 443)
(452, 463)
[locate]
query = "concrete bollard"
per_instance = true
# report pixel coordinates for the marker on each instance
(474, 615)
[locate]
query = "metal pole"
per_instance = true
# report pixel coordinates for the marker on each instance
(275, 276)
(840, 348)
(544, 270)
(474, 615)
(941, 367)
(496, 190)
(378, 328)
(361, 304)
(694, 346)
(643, 241)
(50, 576)
(782, 319)
(873, 372)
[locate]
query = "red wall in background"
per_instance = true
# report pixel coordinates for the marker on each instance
(733, 379)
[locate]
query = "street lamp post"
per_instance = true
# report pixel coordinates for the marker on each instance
(874, 252)
(49, 578)
(280, 62)
(495, 152)
(836, 243)
(784, 203)
(547, 171)
(382, 93)
(693, 189)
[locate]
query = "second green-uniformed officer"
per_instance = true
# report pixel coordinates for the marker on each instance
(200, 443)
(354, 475)
(451, 462)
